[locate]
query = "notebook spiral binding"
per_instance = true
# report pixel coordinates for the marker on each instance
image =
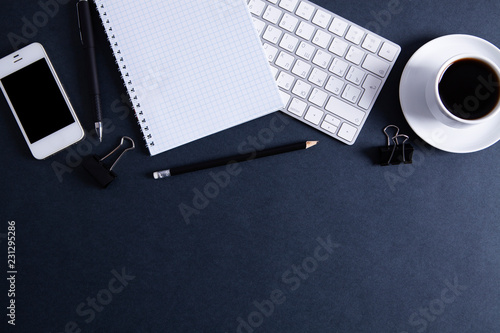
(126, 77)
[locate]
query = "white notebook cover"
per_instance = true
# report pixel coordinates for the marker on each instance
(192, 68)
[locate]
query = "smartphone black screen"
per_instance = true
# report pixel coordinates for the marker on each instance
(37, 100)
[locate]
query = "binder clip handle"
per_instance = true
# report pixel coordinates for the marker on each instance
(387, 152)
(122, 142)
(389, 138)
(402, 149)
(405, 150)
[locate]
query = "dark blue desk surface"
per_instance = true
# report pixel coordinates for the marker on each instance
(315, 241)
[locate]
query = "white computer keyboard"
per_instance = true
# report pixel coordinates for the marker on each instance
(329, 70)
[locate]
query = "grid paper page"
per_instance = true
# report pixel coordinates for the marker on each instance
(192, 68)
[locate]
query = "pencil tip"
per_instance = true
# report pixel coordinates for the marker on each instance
(310, 144)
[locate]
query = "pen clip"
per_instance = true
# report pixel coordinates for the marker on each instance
(79, 22)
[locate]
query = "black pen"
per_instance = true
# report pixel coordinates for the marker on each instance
(233, 159)
(87, 38)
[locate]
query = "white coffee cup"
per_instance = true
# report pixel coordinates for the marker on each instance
(486, 88)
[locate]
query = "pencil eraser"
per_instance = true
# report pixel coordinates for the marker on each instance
(161, 174)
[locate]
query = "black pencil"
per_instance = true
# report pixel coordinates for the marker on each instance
(233, 159)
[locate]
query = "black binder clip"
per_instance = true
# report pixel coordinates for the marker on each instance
(96, 168)
(398, 152)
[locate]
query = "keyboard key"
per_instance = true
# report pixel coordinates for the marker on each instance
(305, 10)
(301, 68)
(289, 5)
(272, 14)
(285, 81)
(338, 27)
(314, 115)
(289, 22)
(271, 52)
(338, 47)
(339, 67)
(329, 127)
(345, 111)
(322, 18)
(332, 120)
(388, 52)
(259, 25)
(354, 35)
(272, 34)
(347, 132)
(318, 77)
(273, 1)
(318, 97)
(305, 51)
(351, 93)
(256, 7)
(355, 75)
(322, 39)
(371, 86)
(322, 59)
(297, 107)
(284, 61)
(355, 55)
(301, 89)
(305, 30)
(376, 66)
(334, 85)
(289, 43)
(275, 71)
(284, 97)
(371, 43)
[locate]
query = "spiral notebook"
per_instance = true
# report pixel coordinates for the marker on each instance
(191, 67)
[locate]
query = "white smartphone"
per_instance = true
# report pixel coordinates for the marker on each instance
(38, 101)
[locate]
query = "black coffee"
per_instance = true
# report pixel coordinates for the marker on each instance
(469, 89)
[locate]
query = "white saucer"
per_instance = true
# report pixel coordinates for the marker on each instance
(415, 76)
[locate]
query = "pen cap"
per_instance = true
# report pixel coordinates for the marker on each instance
(85, 24)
